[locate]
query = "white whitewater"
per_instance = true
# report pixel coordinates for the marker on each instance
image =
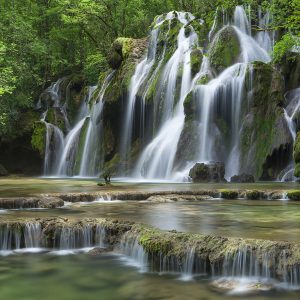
(227, 92)
(141, 72)
(61, 151)
(157, 159)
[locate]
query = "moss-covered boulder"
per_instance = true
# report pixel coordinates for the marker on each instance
(294, 195)
(55, 116)
(265, 139)
(225, 49)
(212, 172)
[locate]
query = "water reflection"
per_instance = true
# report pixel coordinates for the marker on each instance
(273, 220)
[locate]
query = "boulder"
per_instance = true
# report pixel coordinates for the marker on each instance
(3, 171)
(242, 178)
(225, 49)
(211, 172)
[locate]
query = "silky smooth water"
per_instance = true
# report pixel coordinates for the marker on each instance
(77, 277)
(274, 220)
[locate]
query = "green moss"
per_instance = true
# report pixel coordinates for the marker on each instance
(111, 166)
(38, 138)
(196, 60)
(253, 195)
(54, 117)
(225, 49)
(297, 148)
(294, 195)
(204, 79)
(229, 194)
(297, 170)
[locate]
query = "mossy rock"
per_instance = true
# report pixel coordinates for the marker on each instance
(196, 60)
(203, 79)
(190, 107)
(253, 194)
(120, 50)
(225, 49)
(55, 117)
(229, 194)
(297, 170)
(294, 195)
(111, 167)
(297, 148)
(38, 138)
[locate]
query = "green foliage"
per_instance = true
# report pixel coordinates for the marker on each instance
(38, 140)
(294, 195)
(284, 45)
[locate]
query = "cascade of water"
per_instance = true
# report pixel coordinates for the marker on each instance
(241, 20)
(61, 151)
(130, 247)
(74, 238)
(69, 151)
(53, 148)
(141, 73)
(32, 235)
(157, 159)
(265, 37)
(14, 238)
(91, 155)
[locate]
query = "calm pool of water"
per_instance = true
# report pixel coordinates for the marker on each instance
(275, 220)
(42, 276)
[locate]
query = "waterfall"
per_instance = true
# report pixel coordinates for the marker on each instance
(157, 159)
(136, 256)
(14, 237)
(265, 37)
(91, 162)
(141, 72)
(78, 152)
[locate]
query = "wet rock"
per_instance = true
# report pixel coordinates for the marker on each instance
(177, 198)
(229, 194)
(99, 251)
(276, 195)
(50, 202)
(212, 172)
(237, 285)
(225, 49)
(254, 195)
(242, 178)
(31, 202)
(294, 195)
(3, 171)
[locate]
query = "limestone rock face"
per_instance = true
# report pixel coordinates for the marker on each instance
(212, 172)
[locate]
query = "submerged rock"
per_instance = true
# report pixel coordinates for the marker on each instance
(242, 178)
(3, 171)
(99, 251)
(211, 172)
(31, 202)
